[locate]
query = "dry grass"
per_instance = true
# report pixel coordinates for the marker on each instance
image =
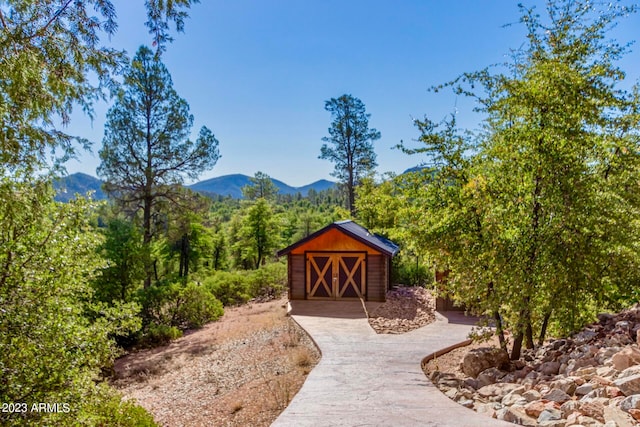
(242, 370)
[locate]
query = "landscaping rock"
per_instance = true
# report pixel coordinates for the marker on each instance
(557, 396)
(626, 358)
(479, 359)
(629, 385)
(517, 416)
(618, 417)
(631, 402)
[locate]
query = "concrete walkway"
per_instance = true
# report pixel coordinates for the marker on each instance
(366, 379)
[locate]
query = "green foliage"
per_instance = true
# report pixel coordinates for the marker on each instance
(257, 235)
(409, 273)
(159, 334)
(536, 217)
(261, 187)
(146, 148)
(238, 287)
(267, 282)
(198, 306)
(123, 251)
(351, 140)
(48, 51)
(50, 351)
(228, 287)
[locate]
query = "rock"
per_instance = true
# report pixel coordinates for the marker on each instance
(585, 388)
(557, 396)
(531, 395)
(635, 413)
(535, 408)
(638, 337)
(618, 416)
(514, 398)
(549, 368)
(631, 370)
(593, 409)
(629, 385)
(467, 403)
(492, 391)
(549, 414)
(587, 421)
(569, 407)
(625, 358)
(479, 359)
(553, 423)
(517, 416)
(490, 376)
(471, 383)
(631, 402)
(586, 372)
(565, 384)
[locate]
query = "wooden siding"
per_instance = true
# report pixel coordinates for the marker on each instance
(377, 277)
(336, 241)
(296, 277)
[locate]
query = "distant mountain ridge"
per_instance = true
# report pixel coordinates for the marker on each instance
(226, 185)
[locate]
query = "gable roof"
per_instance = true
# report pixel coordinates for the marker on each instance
(354, 231)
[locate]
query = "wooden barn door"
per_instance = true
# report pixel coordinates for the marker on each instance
(336, 275)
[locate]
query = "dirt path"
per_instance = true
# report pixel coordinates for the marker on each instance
(242, 370)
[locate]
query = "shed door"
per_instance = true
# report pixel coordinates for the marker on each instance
(336, 275)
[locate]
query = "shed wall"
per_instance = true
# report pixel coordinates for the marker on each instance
(377, 275)
(297, 277)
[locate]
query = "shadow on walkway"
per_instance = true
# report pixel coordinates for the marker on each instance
(459, 318)
(333, 309)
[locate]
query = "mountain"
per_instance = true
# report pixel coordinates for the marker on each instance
(227, 185)
(231, 185)
(67, 187)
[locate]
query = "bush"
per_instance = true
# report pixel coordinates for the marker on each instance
(197, 307)
(407, 273)
(160, 334)
(229, 288)
(267, 282)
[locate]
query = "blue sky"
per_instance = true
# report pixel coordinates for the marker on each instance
(257, 73)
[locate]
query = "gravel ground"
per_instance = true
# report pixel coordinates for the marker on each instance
(245, 368)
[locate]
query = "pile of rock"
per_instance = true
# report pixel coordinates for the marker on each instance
(405, 309)
(590, 379)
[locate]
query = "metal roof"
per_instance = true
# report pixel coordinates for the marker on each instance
(355, 231)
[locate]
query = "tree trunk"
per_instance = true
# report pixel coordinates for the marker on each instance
(500, 330)
(543, 328)
(146, 242)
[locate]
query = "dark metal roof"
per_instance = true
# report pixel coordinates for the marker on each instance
(353, 230)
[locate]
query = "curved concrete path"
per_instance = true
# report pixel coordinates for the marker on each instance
(366, 379)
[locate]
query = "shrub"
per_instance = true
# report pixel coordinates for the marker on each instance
(268, 281)
(229, 288)
(197, 307)
(160, 334)
(409, 274)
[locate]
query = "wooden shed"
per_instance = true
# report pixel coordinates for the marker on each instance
(343, 260)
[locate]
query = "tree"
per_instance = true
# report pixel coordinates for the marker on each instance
(537, 216)
(351, 140)
(258, 233)
(48, 50)
(146, 151)
(50, 351)
(261, 186)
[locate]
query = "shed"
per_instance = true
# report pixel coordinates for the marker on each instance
(341, 261)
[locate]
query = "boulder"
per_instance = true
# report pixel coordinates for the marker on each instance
(585, 388)
(565, 384)
(570, 407)
(593, 409)
(625, 358)
(629, 385)
(631, 402)
(549, 414)
(532, 395)
(535, 408)
(556, 395)
(618, 416)
(549, 368)
(517, 416)
(631, 370)
(479, 359)
(490, 376)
